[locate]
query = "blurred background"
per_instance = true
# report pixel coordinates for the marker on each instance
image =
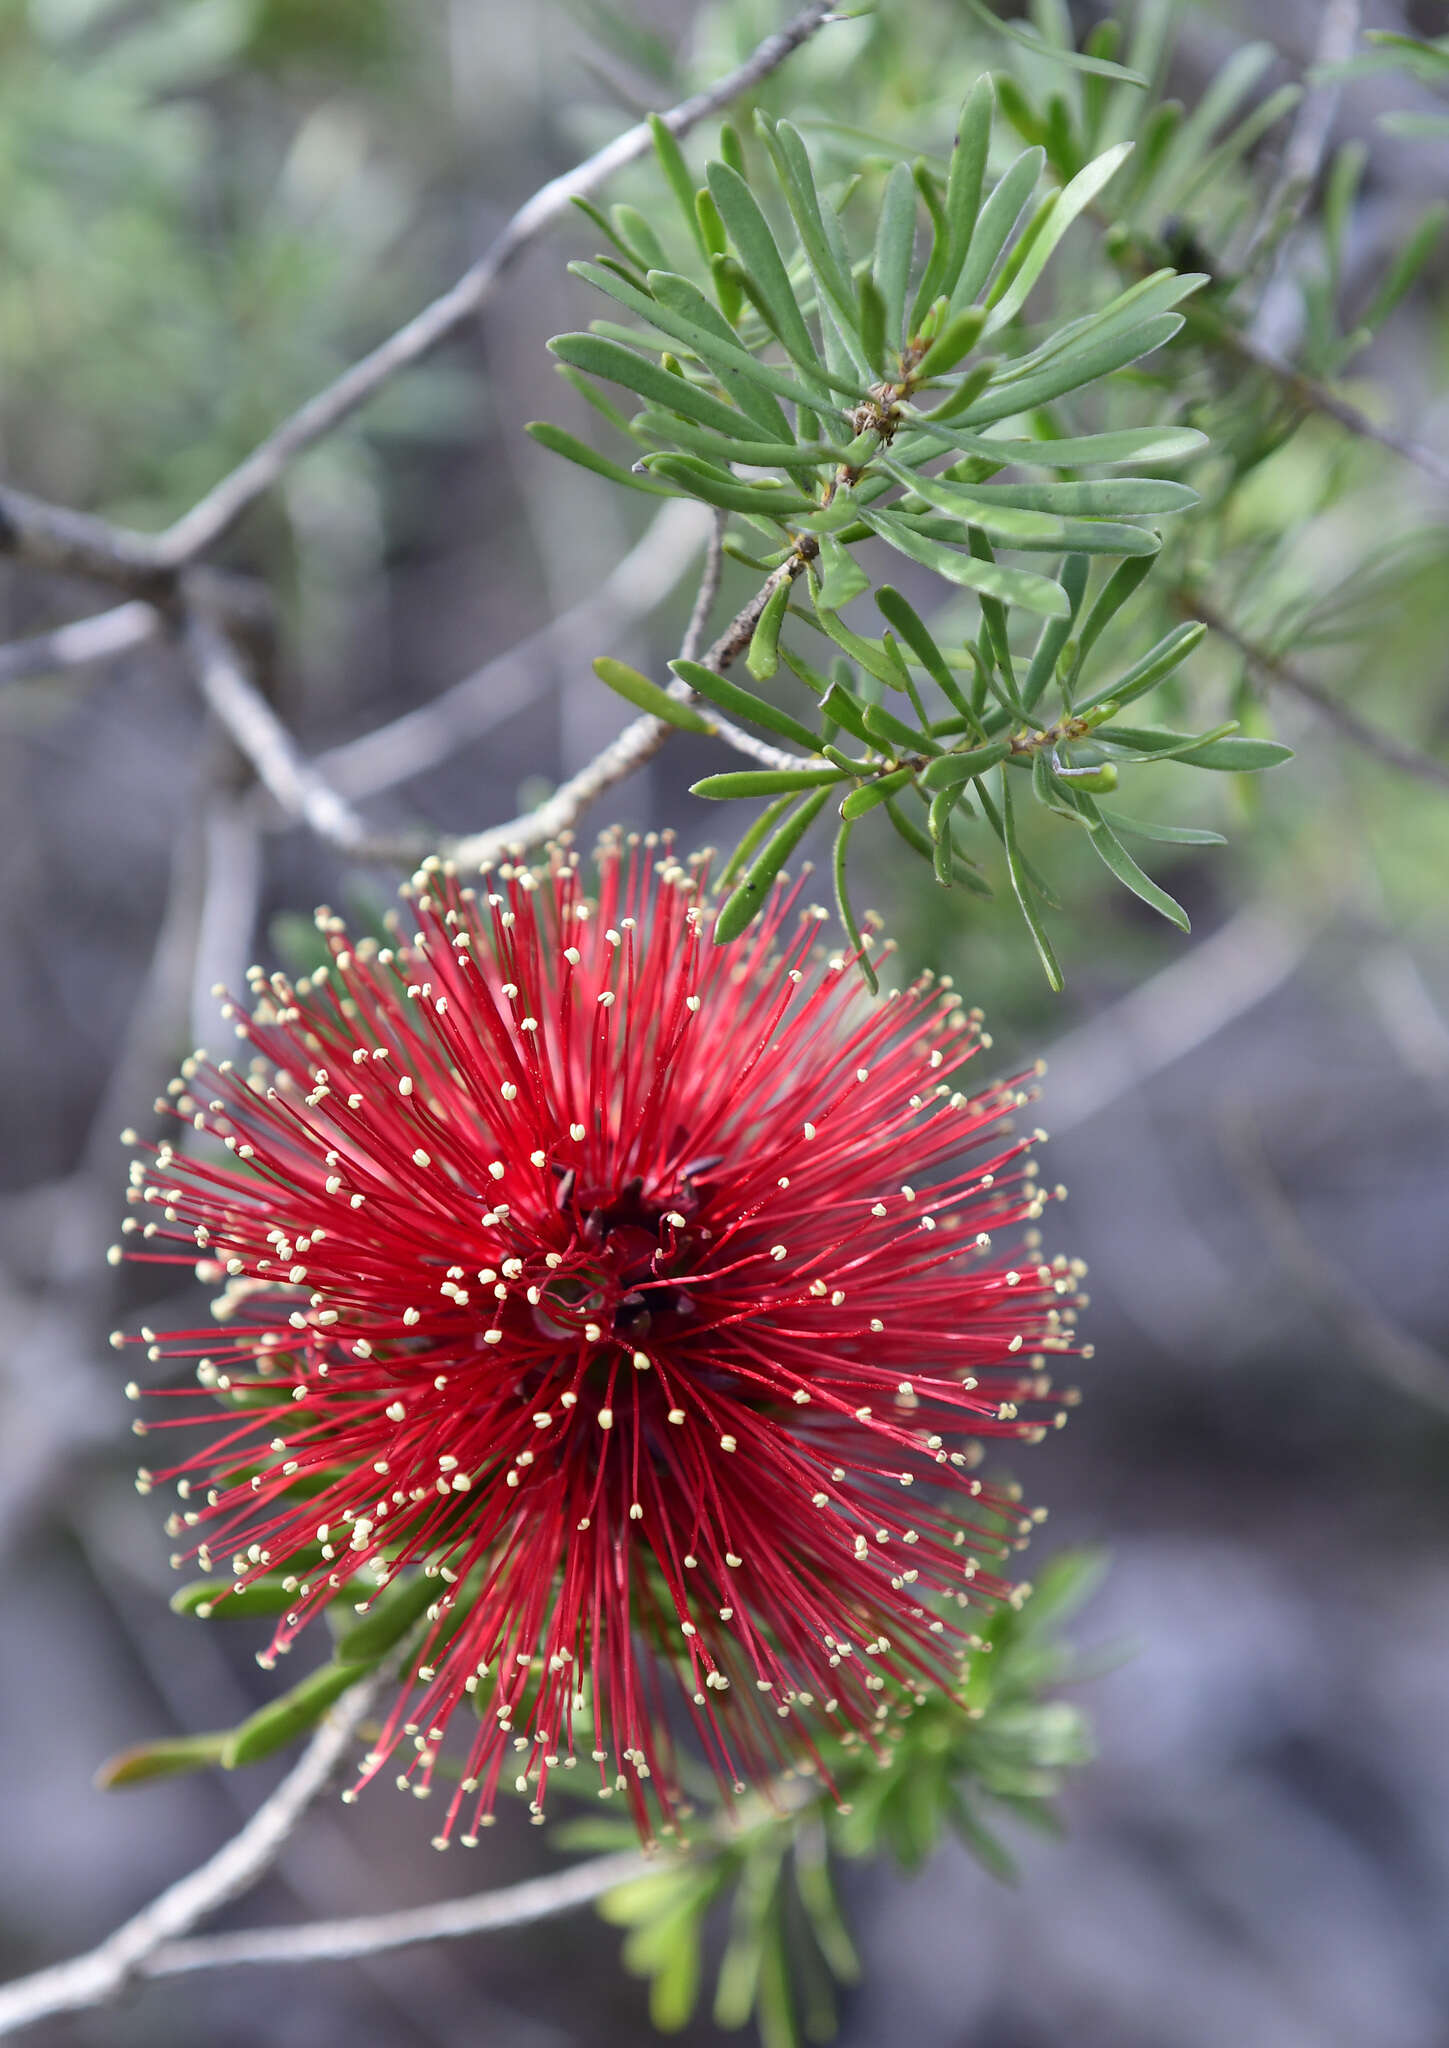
(207, 207)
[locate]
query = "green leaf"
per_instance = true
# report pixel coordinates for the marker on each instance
(949, 771)
(1230, 756)
(559, 442)
(1118, 497)
(1003, 522)
(263, 1596)
(763, 657)
(641, 238)
(676, 172)
(600, 357)
(168, 1757)
(1167, 835)
(1055, 633)
(913, 630)
(957, 338)
(1406, 265)
(1154, 667)
(702, 480)
(1072, 200)
(744, 704)
(1114, 855)
(842, 576)
(921, 844)
(627, 682)
(871, 322)
(1071, 371)
(867, 795)
(1011, 586)
(1114, 593)
(738, 782)
(994, 224)
(1021, 889)
(758, 833)
(892, 732)
(747, 899)
(750, 232)
(894, 248)
(1074, 60)
(871, 655)
(290, 1716)
(844, 910)
(1128, 444)
(965, 176)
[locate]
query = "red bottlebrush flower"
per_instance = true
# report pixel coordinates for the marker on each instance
(642, 1292)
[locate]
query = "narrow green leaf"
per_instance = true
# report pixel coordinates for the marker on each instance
(1233, 755)
(1071, 371)
(758, 833)
(871, 322)
(949, 771)
(1128, 444)
(661, 426)
(1022, 891)
(1406, 266)
(913, 630)
(747, 899)
(994, 224)
(892, 732)
(938, 824)
(627, 682)
(560, 442)
(845, 912)
(919, 842)
(1011, 586)
(894, 248)
(1169, 653)
(965, 177)
(649, 251)
(867, 795)
(743, 704)
(676, 172)
(752, 237)
(1114, 593)
(1001, 520)
(956, 338)
(763, 657)
(1056, 632)
(290, 1716)
(1072, 200)
(1114, 856)
(871, 655)
(738, 782)
(610, 360)
(169, 1757)
(1167, 835)
(702, 480)
(842, 578)
(1117, 497)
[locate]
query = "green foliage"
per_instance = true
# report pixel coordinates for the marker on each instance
(994, 1749)
(791, 388)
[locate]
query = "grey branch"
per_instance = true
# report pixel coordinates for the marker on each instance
(223, 506)
(81, 642)
(639, 742)
(1272, 668)
(266, 742)
(370, 1934)
(91, 1979)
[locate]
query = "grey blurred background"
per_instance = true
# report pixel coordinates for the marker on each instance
(208, 206)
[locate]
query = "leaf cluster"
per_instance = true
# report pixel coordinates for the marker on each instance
(833, 392)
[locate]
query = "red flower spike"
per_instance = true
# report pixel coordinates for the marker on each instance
(635, 1289)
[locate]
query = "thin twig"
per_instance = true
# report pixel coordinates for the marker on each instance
(82, 641)
(708, 591)
(89, 1980)
(639, 742)
(1393, 1353)
(223, 506)
(370, 1934)
(266, 742)
(1307, 142)
(1272, 668)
